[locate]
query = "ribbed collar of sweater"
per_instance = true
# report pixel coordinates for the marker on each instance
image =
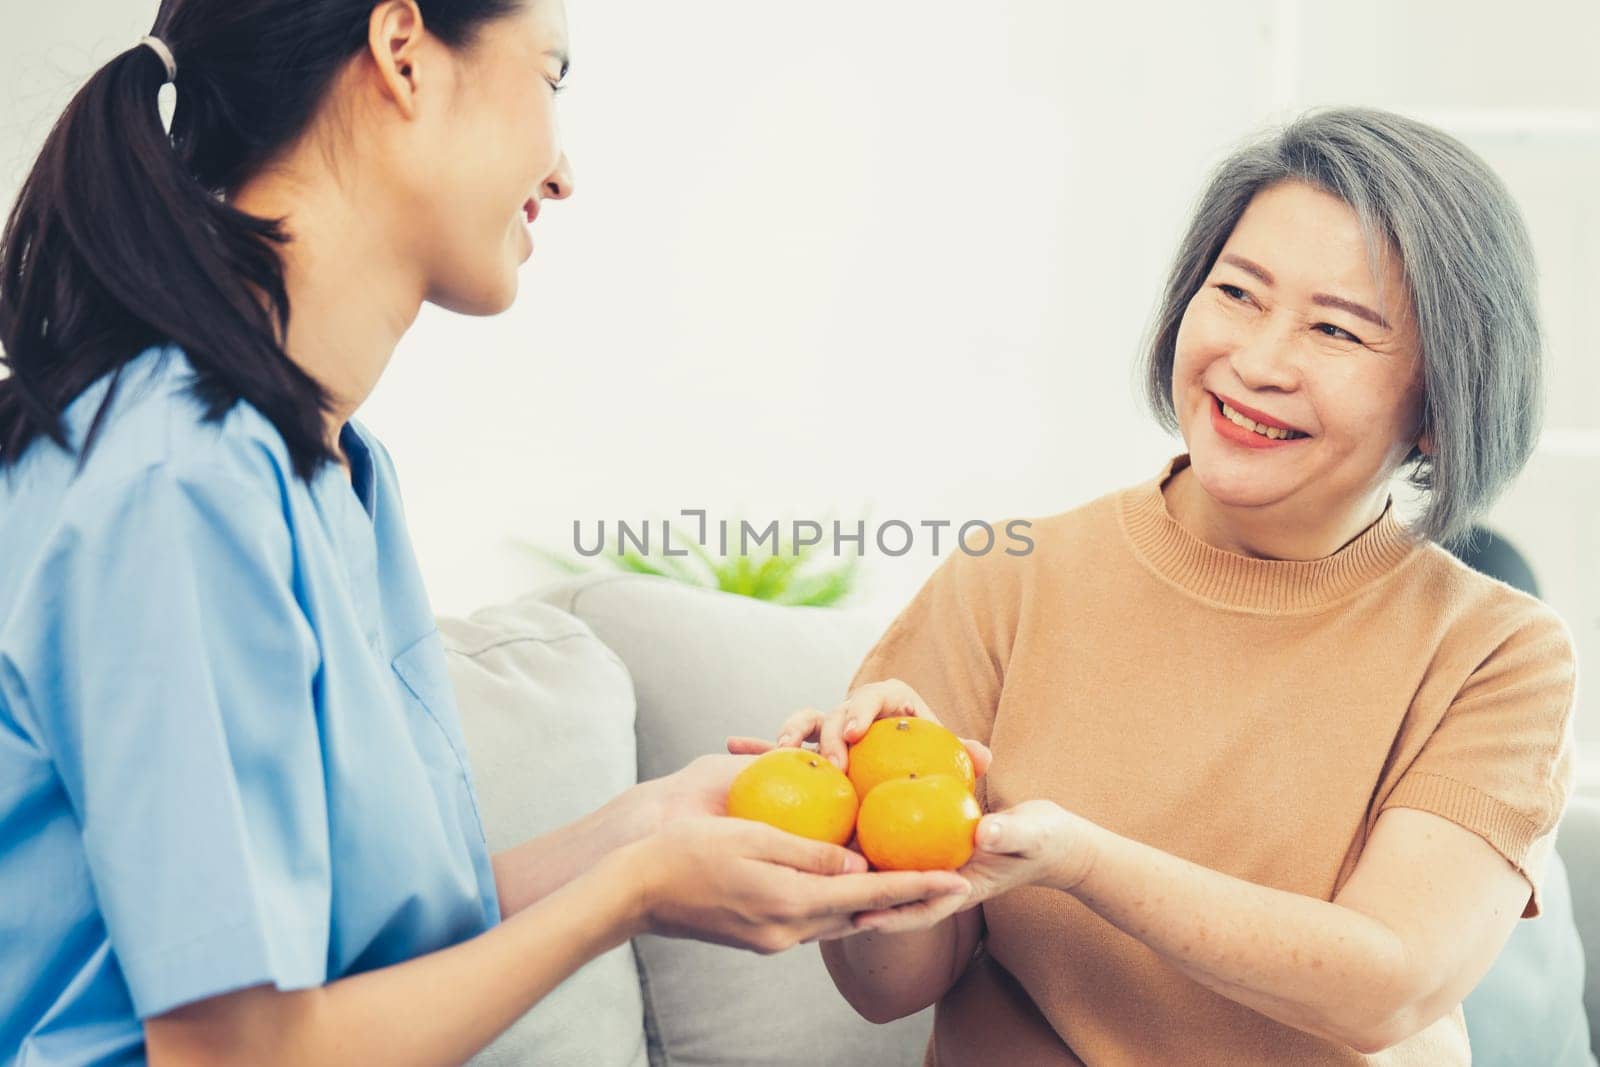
(1262, 585)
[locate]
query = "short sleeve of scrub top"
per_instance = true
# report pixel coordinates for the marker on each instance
(228, 742)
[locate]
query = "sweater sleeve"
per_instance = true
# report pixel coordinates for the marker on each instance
(952, 642)
(1501, 761)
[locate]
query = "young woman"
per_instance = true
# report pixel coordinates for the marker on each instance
(1273, 775)
(236, 820)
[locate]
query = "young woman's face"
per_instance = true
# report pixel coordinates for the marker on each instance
(1293, 329)
(494, 157)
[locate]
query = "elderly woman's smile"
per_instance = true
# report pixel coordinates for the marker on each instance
(1260, 429)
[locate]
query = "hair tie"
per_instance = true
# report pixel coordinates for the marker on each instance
(159, 47)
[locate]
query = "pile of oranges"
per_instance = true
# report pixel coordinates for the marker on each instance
(908, 798)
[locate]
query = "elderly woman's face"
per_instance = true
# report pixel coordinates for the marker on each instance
(1296, 377)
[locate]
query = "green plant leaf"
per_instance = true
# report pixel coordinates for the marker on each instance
(773, 576)
(740, 578)
(823, 589)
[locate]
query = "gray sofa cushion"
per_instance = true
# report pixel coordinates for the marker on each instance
(547, 711)
(1529, 1007)
(1578, 843)
(706, 665)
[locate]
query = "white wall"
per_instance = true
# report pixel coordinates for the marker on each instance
(814, 261)
(895, 258)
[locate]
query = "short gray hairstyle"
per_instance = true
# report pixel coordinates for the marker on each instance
(1467, 262)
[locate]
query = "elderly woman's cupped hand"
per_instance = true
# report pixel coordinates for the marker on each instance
(1036, 842)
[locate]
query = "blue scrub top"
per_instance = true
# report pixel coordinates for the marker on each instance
(229, 748)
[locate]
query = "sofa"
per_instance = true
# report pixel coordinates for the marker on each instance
(573, 692)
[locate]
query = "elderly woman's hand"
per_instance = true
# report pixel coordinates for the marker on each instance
(835, 731)
(1035, 843)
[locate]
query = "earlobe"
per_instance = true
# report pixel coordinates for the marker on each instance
(1425, 444)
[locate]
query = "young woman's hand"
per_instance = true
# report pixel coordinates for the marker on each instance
(744, 884)
(699, 789)
(1035, 843)
(527, 872)
(842, 727)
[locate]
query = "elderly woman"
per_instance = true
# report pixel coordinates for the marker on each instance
(1274, 775)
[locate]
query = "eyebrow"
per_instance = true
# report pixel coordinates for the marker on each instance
(1360, 311)
(1249, 267)
(566, 60)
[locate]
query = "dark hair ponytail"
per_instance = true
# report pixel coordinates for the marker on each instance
(121, 237)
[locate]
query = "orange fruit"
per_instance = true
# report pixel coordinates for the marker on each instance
(918, 824)
(898, 747)
(797, 791)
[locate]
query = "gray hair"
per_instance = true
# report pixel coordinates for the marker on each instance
(1467, 262)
